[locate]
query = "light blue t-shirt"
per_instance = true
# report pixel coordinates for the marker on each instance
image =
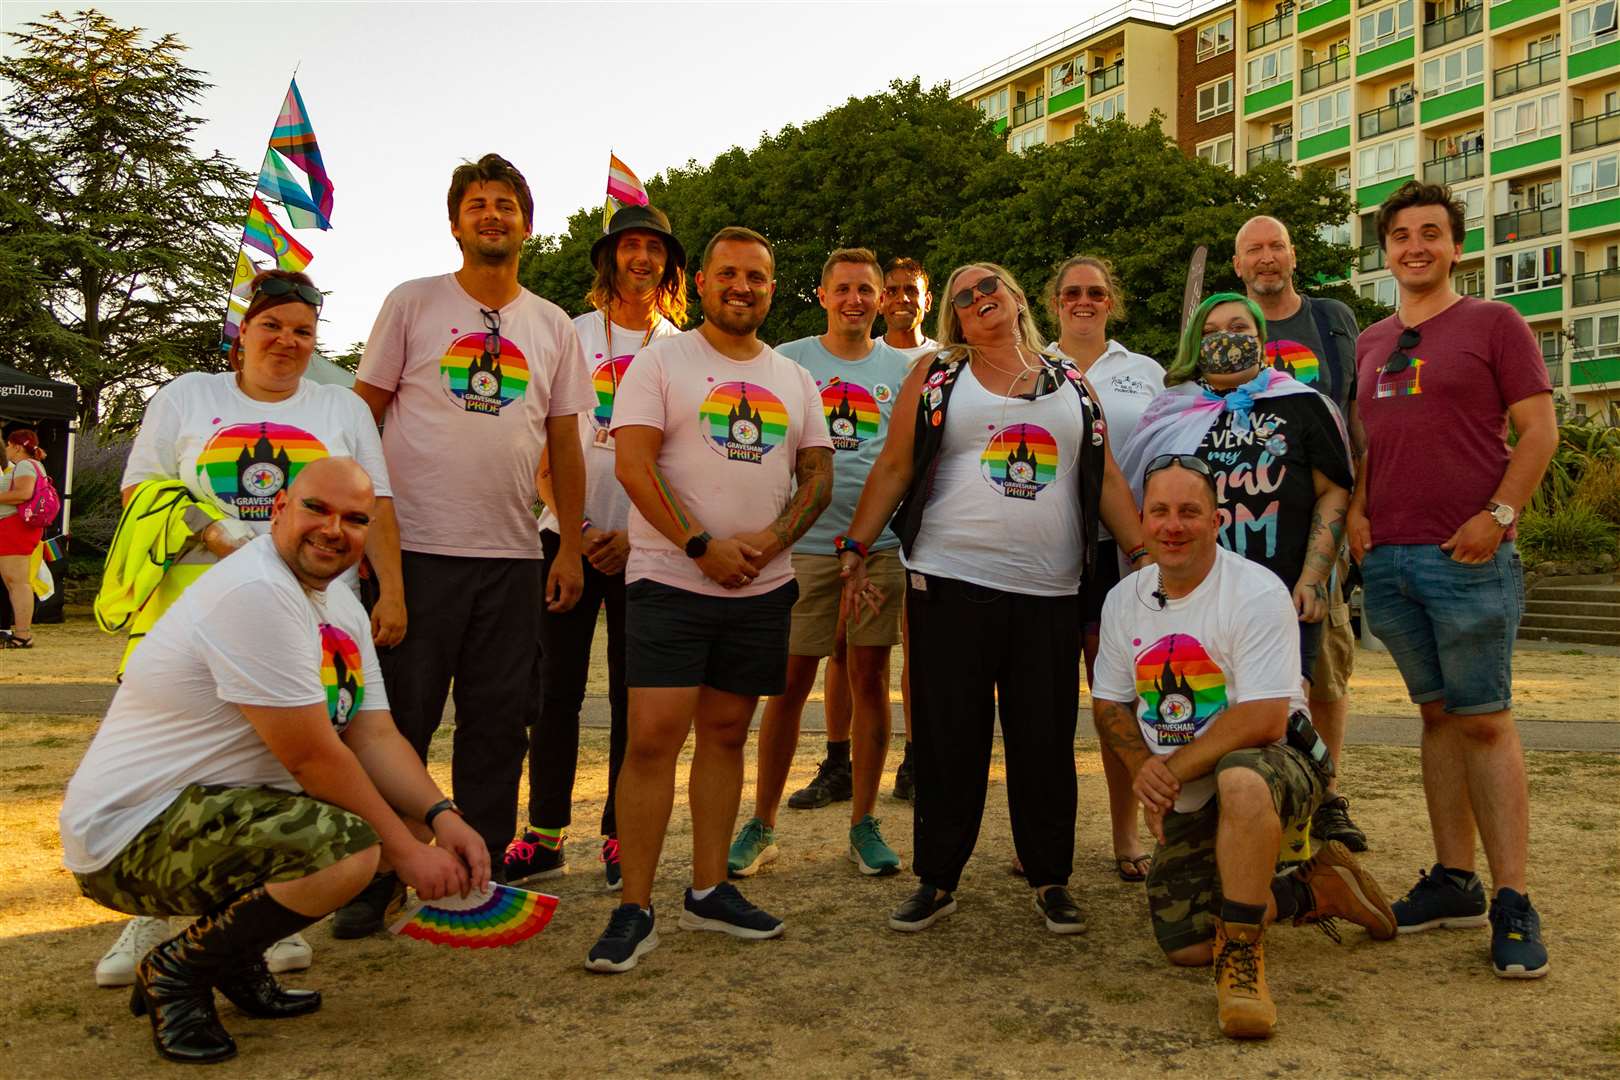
(858, 397)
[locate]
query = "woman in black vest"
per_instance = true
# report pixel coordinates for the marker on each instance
(998, 462)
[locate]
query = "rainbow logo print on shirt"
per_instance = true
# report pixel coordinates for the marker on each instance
(743, 421)
(1296, 359)
(1402, 383)
(605, 381)
(244, 466)
(1181, 688)
(482, 383)
(852, 413)
(341, 676)
(1020, 460)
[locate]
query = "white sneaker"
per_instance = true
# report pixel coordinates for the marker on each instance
(289, 954)
(139, 936)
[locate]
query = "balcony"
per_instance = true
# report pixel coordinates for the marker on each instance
(1276, 150)
(1525, 76)
(1518, 225)
(1369, 259)
(1108, 78)
(1333, 69)
(1382, 121)
(1594, 131)
(1468, 165)
(1029, 110)
(1454, 27)
(1271, 31)
(1597, 287)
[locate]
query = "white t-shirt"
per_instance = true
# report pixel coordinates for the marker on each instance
(1233, 639)
(732, 435)
(606, 504)
(929, 345)
(1126, 383)
(238, 453)
(464, 431)
(247, 633)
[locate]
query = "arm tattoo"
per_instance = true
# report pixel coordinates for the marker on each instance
(1116, 724)
(1315, 557)
(813, 472)
(672, 505)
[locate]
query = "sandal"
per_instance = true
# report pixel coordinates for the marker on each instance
(12, 641)
(1133, 868)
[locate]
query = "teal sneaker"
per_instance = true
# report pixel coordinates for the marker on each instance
(868, 851)
(754, 847)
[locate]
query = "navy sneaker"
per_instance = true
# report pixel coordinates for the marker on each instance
(630, 935)
(1438, 901)
(1516, 948)
(922, 909)
(610, 864)
(725, 910)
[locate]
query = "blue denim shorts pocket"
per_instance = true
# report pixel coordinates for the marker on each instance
(1475, 610)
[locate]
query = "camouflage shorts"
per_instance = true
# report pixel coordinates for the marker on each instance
(215, 843)
(1184, 887)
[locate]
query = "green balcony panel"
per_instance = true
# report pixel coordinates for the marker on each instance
(1589, 60)
(1604, 369)
(1537, 301)
(1385, 55)
(1593, 215)
(1517, 10)
(1074, 95)
(1373, 194)
(1530, 153)
(1001, 126)
(1323, 143)
(1321, 15)
(1436, 108)
(1268, 98)
(1473, 240)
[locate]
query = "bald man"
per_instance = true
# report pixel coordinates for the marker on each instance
(1313, 339)
(248, 772)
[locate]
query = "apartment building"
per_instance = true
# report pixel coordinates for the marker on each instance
(1514, 103)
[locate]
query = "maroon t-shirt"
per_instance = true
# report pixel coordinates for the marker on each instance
(1437, 432)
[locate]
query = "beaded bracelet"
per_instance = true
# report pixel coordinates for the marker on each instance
(843, 542)
(1138, 555)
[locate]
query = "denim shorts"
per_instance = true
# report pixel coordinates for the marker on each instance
(1449, 626)
(738, 644)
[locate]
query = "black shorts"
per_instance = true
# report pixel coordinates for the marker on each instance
(738, 644)
(1094, 590)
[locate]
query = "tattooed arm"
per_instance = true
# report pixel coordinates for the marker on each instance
(1322, 550)
(1156, 787)
(813, 474)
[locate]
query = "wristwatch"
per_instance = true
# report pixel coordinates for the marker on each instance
(697, 546)
(438, 808)
(1502, 515)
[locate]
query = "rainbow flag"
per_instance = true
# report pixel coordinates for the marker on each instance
(237, 303)
(277, 183)
(264, 232)
(295, 138)
(624, 188)
(493, 916)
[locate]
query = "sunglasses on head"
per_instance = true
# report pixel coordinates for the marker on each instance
(1186, 461)
(1400, 359)
(985, 287)
(492, 336)
(1095, 293)
(276, 286)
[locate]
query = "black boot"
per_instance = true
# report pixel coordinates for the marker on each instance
(176, 992)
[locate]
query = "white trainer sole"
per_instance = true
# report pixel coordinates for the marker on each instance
(608, 967)
(948, 908)
(871, 871)
(1458, 922)
(767, 854)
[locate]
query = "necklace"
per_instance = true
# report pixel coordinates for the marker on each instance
(1018, 376)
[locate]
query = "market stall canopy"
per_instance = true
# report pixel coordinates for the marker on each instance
(30, 397)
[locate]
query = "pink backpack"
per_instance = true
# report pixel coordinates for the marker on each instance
(41, 507)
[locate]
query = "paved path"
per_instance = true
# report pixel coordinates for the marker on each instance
(1602, 736)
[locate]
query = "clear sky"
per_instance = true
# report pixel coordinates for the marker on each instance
(400, 93)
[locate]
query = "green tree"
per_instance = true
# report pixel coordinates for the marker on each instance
(117, 236)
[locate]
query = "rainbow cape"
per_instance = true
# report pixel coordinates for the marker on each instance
(494, 916)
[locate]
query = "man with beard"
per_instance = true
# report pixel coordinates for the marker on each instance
(472, 377)
(724, 452)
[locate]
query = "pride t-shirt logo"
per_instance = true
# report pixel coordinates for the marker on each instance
(1402, 383)
(852, 413)
(1181, 688)
(743, 421)
(482, 377)
(1296, 359)
(1020, 460)
(244, 466)
(605, 380)
(342, 676)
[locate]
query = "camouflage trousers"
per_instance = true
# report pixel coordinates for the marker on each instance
(1184, 887)
(214, 843)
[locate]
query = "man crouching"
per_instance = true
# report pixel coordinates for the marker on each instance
(248, 771)
(1198, 689)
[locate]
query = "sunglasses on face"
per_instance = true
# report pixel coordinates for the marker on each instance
(985, 287)
(492, 335)
(309, 294)
(1095, 293)
(1185, 461)
(1400, 359)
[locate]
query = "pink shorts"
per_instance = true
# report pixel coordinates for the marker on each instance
(17, 538)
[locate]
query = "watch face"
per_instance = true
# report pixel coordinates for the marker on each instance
(1503, 515)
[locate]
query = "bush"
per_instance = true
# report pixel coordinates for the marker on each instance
(98, 466)
(1572, 532)
(1599, 488)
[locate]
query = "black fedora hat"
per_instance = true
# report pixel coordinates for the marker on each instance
(649, 218)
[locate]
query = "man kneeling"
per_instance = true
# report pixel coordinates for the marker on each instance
(1198, 689)
(248, 772)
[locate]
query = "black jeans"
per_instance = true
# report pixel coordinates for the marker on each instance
(561, 670)
(971, 646)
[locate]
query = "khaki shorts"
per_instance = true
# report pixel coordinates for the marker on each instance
(815, 616)
(215, 843)
(1336, 655)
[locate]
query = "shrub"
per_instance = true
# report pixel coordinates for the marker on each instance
(1575, 531)
(1599, 488)
(98, 466)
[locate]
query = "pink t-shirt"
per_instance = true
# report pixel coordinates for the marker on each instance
(464, 432)
(1437, 432)
(732, 434)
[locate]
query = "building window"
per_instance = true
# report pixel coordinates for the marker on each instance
(1470, 282)
(1215, 99)
(1473, 200)
(1107, 109)
(1382, 27)
(993, 105)
(1380, 291)
(1215, 38)
(1341, 178)
(1454, 71)
(1594, 180)
(1386, 160)
(1270, 69)
(1067, 75)
(1335, 232)
(1526, 121)
(1217, 151)
(1324, 113)
(1532, 268)
(1592, 26)
(1023, 140)
(1596, 335)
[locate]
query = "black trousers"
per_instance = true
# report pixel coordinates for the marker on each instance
(474, 626)
(561, 670)
(970, 646)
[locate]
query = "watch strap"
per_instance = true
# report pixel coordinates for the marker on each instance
(438, 808)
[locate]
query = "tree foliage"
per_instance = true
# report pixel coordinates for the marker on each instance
(115, 237)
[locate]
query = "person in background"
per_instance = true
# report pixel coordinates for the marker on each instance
(18, 539)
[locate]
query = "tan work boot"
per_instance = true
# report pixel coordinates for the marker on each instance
(1245, 1005)
(1341, 888)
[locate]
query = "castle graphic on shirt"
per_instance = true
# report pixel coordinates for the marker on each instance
(341, 676)
(1296, 359)
(852, 413)
(1020, 460)
(244, 466)
(1181, 688)
(743, 421)
(484, 373)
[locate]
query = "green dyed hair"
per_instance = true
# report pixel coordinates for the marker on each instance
(1185, 366)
